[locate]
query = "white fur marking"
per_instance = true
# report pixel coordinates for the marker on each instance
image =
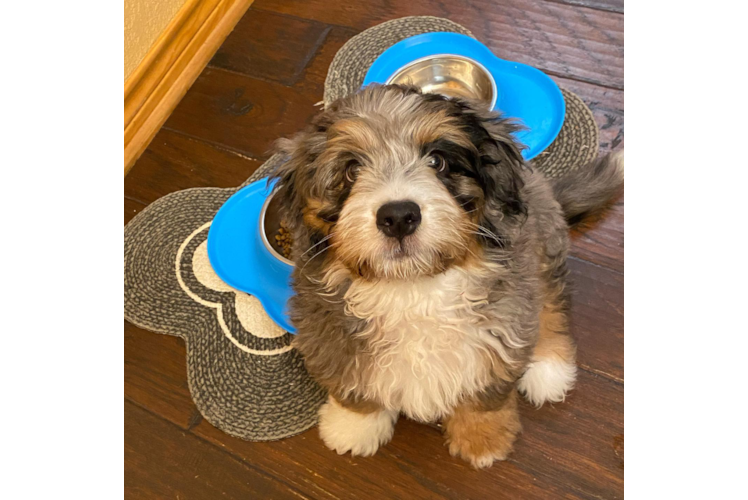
(430, 342)
(343, 430)
(547, 379)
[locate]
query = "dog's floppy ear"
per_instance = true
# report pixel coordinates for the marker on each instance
(500, 162)
(300, 152)
(285, 175)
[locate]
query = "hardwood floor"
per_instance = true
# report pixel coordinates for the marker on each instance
(262, 84)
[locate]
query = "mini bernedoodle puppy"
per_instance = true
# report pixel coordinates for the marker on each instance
(430, 269)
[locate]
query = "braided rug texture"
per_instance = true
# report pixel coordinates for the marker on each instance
(243, 374)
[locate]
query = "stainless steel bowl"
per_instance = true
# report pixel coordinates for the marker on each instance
(269, 225)
(450, 75)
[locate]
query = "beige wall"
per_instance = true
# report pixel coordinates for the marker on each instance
(144, 22)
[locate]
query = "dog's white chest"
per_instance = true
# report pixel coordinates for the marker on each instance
(429, 347)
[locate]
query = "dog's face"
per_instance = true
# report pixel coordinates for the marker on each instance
(394, 184)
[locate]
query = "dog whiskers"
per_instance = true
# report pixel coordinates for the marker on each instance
(318, 253)
(317, 244)
(486, 232)
(311, 259)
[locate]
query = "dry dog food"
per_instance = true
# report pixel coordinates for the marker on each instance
(284, 241)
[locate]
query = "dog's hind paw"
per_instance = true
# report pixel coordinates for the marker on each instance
(547, 380)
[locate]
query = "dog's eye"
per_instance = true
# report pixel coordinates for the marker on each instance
(437, 162)
(351, 171)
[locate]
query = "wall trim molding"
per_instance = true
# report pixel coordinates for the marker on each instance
(171, 66)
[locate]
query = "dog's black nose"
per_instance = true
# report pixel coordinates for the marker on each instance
(398, 219)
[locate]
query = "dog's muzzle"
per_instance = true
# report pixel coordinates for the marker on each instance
(398, 219)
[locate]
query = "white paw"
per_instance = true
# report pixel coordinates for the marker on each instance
(344, 430)
(547, 380)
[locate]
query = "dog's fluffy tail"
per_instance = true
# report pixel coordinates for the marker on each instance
(590, 189)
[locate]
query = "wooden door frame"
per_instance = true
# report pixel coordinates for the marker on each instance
(171, 66)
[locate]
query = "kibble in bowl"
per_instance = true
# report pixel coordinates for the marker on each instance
(283, 240)
(277, 237)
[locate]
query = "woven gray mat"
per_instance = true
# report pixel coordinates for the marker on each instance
(242, 372)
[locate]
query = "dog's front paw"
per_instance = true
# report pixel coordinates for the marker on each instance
(482, 437)
(344, 430)
(482, 450)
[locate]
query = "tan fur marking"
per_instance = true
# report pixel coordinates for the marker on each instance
(354, 134)
(480, 437)
(439, 125)
(311, 218)
(554, 340)
(471, 259)
(359, 405)
(552, 370)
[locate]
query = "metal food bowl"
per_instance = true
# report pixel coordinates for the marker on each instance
(243, 251)
(450, 75)
(269, 225)
(453, 64)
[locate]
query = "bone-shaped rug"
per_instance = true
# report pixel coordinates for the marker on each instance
(243, 374)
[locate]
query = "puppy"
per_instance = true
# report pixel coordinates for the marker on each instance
(430, 269)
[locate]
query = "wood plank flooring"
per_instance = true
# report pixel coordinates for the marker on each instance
(262, 84)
